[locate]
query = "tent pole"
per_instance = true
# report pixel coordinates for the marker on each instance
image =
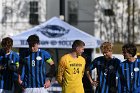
(57, 54)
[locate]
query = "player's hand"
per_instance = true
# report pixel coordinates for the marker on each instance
(1, 67)
(47, 84)
(19, 81)
(20, 84)
(95, 83)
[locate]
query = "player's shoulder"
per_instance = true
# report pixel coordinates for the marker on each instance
(65, 56)
(99, 58)
(15, 53)
(116, 59)
(125, 61)
(81, 57)
(43, 51)
(138, 60)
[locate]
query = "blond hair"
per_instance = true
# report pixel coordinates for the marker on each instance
(106, 46)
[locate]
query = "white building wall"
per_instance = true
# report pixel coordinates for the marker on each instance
(89, 15)
(16, 17)
(53, 8)
(86, 16)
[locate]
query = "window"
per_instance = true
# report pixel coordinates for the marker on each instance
(33, 16)
(73, 12)
(108, 12)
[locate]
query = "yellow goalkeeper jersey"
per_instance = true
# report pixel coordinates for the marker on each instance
(70, 73)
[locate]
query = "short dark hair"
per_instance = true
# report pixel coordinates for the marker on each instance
(7, 42)
(33, 39)
(77, 43)
(130, 48)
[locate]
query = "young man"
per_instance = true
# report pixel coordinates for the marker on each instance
(107, 69)
(130, 69)
(71, 69)
(32, 64)
(9, 63)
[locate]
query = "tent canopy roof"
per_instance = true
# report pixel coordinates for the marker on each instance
(56, 33)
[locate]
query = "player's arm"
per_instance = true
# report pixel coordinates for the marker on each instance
(61, 69)
(17, 61)
(1, 65)
(21, 72)
(93, 83)
(83, 69)
(14, 66)
(51, 72)
(89, 75)
(17, 65)
(90, 68)
(50, 61)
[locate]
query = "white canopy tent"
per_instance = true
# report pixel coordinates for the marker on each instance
(55, 33)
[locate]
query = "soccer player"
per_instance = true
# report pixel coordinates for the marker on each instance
(130, 69)
(9, 63)
(32, 76)
(107, 68)
(71, 69)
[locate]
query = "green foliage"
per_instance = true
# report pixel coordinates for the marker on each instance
(117, 48)
(15, 50)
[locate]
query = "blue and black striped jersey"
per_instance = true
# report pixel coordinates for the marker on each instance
(131, 73)
(34, 74)
(106, 74)
(8, 76)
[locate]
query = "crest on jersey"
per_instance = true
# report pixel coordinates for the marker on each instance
(111, 67)
(38, 58)
(136, 69)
